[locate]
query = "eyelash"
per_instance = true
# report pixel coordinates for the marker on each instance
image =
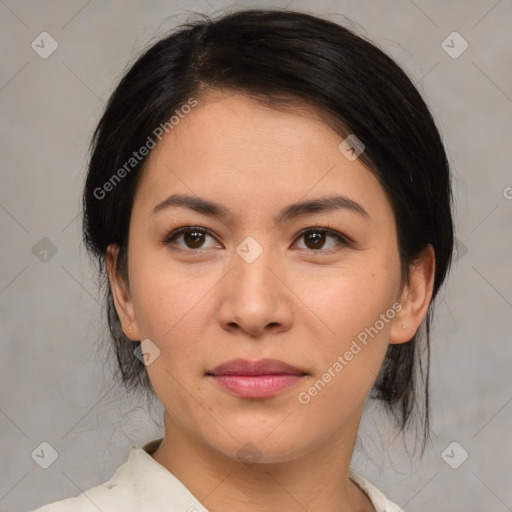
(344, 241)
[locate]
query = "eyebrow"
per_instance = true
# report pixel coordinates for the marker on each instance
(213, 209)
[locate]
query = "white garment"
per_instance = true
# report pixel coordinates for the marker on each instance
(141, 484)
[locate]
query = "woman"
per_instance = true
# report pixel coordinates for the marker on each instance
(270, 199)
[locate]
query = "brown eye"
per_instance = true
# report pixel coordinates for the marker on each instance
(316, 239)
(193, 238)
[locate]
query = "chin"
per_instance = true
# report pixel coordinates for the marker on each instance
(260, 448)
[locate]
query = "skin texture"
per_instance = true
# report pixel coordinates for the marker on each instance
(302, 305)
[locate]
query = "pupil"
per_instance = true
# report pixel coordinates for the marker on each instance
(195, 238)
(316, 238)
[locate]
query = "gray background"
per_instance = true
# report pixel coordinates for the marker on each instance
(55, 372)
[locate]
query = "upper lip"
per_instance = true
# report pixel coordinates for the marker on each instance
(260, 367)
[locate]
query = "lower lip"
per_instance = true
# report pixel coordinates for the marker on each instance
(256, 386)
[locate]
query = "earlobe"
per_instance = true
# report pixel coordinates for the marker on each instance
(121, 294)
(415, 298)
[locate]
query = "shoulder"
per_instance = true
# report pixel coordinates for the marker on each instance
(379, 501)
(101, 497)
(116, 494)
(139, 485)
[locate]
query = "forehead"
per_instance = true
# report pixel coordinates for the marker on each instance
(235, 121)
(230, 145)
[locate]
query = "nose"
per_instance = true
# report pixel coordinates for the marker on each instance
(255, 298)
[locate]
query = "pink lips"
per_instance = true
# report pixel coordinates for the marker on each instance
(255, 379)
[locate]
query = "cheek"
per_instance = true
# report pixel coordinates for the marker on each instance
(166, 296)
(173, 310)
(359, 315)
(350, 299)
(356, 311)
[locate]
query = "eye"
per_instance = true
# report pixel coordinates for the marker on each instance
(315, 238)
(193, 237)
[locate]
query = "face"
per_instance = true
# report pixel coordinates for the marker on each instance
(318, 289)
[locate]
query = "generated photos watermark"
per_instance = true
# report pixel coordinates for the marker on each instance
(304, 397)
(143, 151)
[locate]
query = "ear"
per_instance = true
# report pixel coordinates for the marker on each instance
(121, 294)
(415, 297)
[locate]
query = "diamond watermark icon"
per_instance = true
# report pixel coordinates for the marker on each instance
(146, 352)
(351, 147)
(460, 250)
(249, 250)
(248, 454)
(454, 45)
(454, 455)
(44, 250)
(45, 455)
(44, 45)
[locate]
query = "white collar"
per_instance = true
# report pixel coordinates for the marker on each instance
(141, 484)
(142, 456)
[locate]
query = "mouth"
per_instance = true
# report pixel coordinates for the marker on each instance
(255, 379)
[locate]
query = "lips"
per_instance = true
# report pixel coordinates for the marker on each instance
(255, 379)
(255, 368)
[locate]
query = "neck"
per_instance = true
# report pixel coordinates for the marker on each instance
(316, 481)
